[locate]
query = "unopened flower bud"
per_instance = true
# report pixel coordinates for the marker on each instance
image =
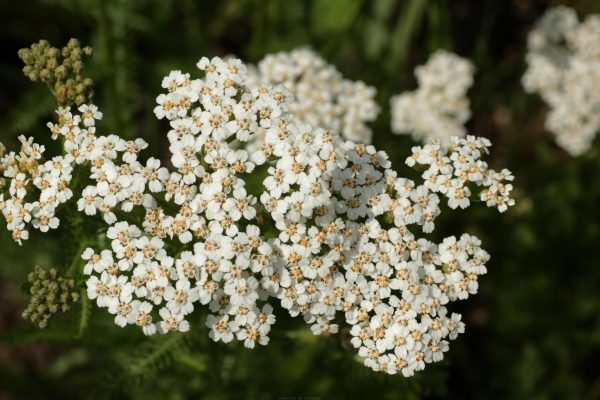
(62, 69)
(50, 293)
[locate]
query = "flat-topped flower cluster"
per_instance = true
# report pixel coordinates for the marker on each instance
(563, 67)
(439, 107)
(331, 234)
(322, 96)
(35, 188)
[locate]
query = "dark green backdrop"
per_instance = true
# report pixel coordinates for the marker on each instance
(533, 331)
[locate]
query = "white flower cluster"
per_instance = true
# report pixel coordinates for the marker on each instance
(344, 243)
(452, 167)
(563, 67)
(341, 217)
(205, 198)
(439, 107)
(323, 97)
(36, 188)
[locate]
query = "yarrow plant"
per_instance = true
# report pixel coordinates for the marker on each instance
(322, 96)
(332, 234)
(60, 69)
(439, 107)
(50, 293)
(36, 188)
(563, 67)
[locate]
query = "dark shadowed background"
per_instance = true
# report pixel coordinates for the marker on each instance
(533, 331)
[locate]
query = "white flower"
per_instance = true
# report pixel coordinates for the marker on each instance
(221, 329)
(155, 175)
(172, 322)
(562, 67)
(149, 248)
(332, 238)
(44, 219)
(438, 108)
(89, 114)
(89, 201)
(142, 317)
(180, 298)
(322, 96)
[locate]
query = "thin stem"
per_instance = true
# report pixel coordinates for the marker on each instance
(77, 259)
(113, 101)
(405, 29)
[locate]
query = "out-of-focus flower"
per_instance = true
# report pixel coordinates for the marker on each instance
(438, 108)
(323, 97)
(564, 69)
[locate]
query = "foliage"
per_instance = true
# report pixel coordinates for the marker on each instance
(532, 332)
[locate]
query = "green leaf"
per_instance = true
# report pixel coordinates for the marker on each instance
(154, 355)
(406, 27)
(29, 109)
(25, 287)
(195, 361)
(334, 16)
(375, 36)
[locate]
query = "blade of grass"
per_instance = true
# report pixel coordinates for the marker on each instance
(406, 27)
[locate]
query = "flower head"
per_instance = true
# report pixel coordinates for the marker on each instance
(438, 108)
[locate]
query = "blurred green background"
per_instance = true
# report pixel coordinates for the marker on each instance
(533, 331)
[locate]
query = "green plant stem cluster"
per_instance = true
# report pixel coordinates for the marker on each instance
(61, 70)
(50, 293)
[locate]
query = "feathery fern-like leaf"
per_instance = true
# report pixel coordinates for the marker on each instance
(26, 113)
(154, 355)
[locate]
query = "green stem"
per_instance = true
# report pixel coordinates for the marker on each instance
(438, 26)
(77, 259)
(405, 29)
(113, 101)
(85, 313)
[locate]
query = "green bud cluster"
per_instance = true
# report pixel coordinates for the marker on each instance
(61, 70)
(50, 293)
